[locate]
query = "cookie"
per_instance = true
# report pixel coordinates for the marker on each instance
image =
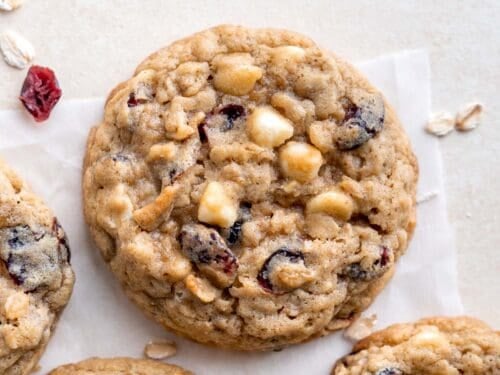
(459, 345)
(249, 190)
(36, 279)
(119, 366)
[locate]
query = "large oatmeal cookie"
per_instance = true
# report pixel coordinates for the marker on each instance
(248, 189)
(36, 279)
(432, 346)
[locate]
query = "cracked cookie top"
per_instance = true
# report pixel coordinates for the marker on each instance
(124, 366)
(248, 189)
(440, 345)
(36, 279)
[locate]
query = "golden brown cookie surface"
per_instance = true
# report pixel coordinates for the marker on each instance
(430, 346)
(36, 279)
(248, 189)
(119, 366)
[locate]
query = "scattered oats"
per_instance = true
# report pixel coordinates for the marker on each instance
(9, 5)
(427, 196)
(440, 124)
(360, 328)
(16, 50)
(160, 349)
(469, 116)
(468, 215)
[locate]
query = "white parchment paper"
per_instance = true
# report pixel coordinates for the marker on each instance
(100, 321)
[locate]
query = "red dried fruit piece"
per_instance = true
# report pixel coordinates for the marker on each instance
(40, 92)
(209, 252)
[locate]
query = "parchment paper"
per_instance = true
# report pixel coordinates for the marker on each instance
(100, 321)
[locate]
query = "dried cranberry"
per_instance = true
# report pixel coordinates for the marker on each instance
(384, 256)
(232, 113)
(64, 250)
(208, 251)
(40, 92)
(202, 132)
(133, 101)
(234, 232)
(283, 254)
(389, 371)
(364, 118)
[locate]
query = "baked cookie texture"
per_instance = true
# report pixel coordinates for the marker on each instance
(248, 189)
(36, 279)
(121, 366)
(459, 345)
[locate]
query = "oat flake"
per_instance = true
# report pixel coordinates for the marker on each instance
(469, 116)
(160, 349)
(9, 5)
(17, 51)
(440, 124)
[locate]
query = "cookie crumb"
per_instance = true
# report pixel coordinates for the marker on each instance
(427, 197)
(360, 328)
(440, 124)
(160, 349)
(469, 116)
(10, 5)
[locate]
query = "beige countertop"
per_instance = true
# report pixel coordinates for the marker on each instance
(93, 44)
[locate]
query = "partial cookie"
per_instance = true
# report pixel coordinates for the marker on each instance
(36, 279)
(248, 189)
(455, 346)
(119, 366)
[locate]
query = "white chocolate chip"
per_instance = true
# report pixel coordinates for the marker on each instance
(10, 5)
(360, 328)
(17, 51)
(160, 349)
(236, 74)
(334, 203)
(440, 124)
(430, 337)
(469, 116)
(217, 207)
(287, 54)
(268, 128)
(300, 161)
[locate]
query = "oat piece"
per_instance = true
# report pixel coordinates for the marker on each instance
(160, 349)
(296, 188)
(440, 124)
(17, 51)
(427, 196)
(469, 116)
(10, 5)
